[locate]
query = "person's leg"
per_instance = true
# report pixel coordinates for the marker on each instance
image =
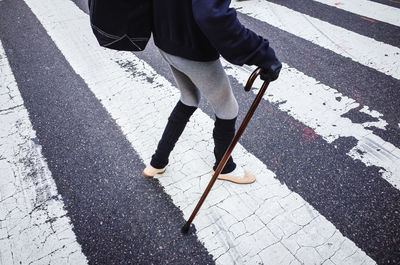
(190, 94)
(176, 124)
(223, 133)
(211, 80)
(190, 98)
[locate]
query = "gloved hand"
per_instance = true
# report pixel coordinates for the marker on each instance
(271, 73)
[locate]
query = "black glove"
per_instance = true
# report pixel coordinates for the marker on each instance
(272, 72)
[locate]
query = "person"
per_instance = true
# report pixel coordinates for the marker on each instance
(191, 36)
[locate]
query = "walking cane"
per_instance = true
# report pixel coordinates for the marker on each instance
(221, 165)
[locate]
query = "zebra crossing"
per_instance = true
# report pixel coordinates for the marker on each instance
(269, 222)
(34, 224)
(369, 9)
(323, 113)
(366, 51)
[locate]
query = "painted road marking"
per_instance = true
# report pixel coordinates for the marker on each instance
(370, 9)
(34, 228)
(321, 108)
(248, 224)
(364, 50)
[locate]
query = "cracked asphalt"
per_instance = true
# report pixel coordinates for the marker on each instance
(78, 126)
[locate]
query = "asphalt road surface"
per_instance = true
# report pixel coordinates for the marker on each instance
(78, 123)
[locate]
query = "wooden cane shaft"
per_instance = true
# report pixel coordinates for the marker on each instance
(228, 152)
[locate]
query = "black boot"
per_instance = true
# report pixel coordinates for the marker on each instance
(176, 124)
(223, 133)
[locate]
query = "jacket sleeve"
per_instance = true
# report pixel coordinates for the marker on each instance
(234, 42)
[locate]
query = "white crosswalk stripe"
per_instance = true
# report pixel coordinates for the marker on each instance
(364, 50)
(34, 228)
(368, 9)
(267, 216)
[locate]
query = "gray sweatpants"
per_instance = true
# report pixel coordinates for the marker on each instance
(203, 78)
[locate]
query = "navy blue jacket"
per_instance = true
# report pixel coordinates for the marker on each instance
(200, 30)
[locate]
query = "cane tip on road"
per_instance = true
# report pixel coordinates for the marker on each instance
(191, 229)
(185, 229)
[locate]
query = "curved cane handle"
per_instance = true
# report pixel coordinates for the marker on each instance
(252, 78)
